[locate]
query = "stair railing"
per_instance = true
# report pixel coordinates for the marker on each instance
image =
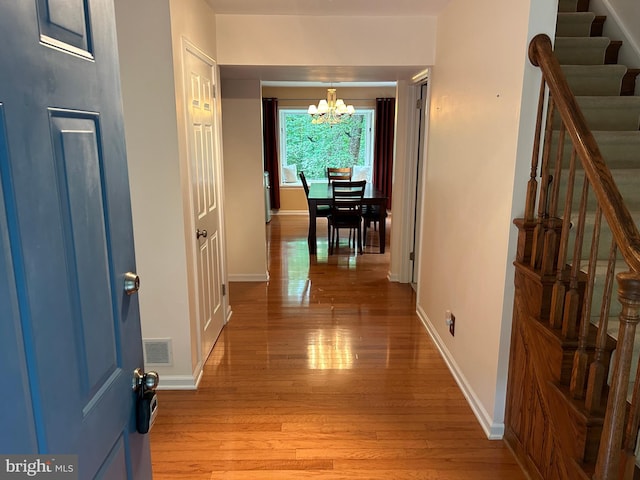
(555, 220)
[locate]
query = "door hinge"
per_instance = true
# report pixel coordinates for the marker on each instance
(412, 256)
(224, 289)
(419, 104)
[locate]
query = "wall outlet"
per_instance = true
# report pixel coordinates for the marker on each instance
(450, 319)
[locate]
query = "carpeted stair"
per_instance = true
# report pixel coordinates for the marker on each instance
(604, 91)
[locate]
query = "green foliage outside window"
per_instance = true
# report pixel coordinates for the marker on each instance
(313, 148)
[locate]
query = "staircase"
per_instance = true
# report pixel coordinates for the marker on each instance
(566, 412)
(612, 113)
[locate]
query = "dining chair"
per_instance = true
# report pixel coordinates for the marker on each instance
(370, 214)
(321, 210)
(340, 174)
(346, 211)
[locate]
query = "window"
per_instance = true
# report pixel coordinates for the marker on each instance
(313, 148)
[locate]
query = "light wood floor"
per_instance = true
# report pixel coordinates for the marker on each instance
(324, 372)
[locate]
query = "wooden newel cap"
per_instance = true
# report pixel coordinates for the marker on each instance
(539, 41)
(629, 287)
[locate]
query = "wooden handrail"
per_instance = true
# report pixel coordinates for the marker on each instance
(624, 230)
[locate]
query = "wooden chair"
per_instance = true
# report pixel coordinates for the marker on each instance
(340, 174)
(321, 210)
(370, 214)
(346, 211)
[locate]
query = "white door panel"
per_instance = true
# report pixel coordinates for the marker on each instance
(204, 165)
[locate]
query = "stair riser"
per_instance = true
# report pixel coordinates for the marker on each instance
(626, 182)
(581, 51)
(608, 113)
(606, 237)
(573, 5)
(576, 24)
(621, 150)
(603, 80)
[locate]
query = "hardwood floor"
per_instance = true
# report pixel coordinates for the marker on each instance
(324, 372)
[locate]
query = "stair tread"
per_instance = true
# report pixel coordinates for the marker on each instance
(574, 24)
(581, 50)
(604, 112)
(620, 149)
(595, 79)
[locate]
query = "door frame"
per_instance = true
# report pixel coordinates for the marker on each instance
(404, 220)
(188, 47)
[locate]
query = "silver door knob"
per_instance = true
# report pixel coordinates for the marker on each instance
(146, 381)
(131, 283)
(201, 233)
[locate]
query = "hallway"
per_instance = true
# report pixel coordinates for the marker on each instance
(324, 372)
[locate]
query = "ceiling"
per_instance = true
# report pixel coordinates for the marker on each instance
(300, 75)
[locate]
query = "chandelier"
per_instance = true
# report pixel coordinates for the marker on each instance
(331, 110)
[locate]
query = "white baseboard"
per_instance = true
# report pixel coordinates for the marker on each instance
(179, 382)
(290, 212)
(251, 277)
(494, 431)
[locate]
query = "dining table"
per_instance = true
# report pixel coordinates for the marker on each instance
(321, 194)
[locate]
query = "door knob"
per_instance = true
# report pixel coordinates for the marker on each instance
(131, 283)
(145, 381)
(201, 233)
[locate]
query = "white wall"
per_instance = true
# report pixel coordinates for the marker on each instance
(148, 92)
(337, 41)
(149, 33)
(623, 23)
(244, 193)
(479, 86)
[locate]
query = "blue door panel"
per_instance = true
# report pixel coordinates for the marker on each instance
(78, 162)
(16, 418)
(115, 466)
(65, 22)
(74, 333)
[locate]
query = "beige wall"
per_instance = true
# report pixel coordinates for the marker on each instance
(343, 41)
(244, 198)
(149, 33)
(475, 165)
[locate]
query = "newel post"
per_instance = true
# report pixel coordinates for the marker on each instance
(607, 465)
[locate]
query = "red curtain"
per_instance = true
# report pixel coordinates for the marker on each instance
(383, 146)
(270, 147)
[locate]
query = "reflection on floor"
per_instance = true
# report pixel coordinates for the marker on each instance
(324, 372)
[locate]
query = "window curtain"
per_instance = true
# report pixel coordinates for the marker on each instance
(270, 147)
(383, 146)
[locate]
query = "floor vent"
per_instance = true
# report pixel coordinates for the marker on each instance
(157, 351)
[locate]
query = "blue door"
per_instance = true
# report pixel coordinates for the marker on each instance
(69, 334)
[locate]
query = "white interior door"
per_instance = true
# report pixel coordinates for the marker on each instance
(204, 168)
